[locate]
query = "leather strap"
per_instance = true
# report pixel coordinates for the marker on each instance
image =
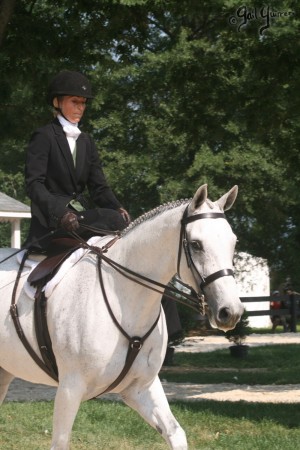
(193, 301)
(135, 343)
(214, 276)
(42, 333)
(17, 324)
(208, 215)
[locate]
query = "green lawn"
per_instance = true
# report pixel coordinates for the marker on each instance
(109, 425)
(273, 364)
(209, 425)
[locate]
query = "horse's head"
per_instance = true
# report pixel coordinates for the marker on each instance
(209, 245)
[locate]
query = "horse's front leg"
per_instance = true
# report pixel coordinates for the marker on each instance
(69, 394)
(152, 404)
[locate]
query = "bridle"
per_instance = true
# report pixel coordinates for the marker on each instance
(184, 243)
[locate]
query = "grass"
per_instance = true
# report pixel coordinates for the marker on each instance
(209, 425)
(273, 364)
(109, 425)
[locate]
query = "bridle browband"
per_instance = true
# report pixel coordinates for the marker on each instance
(184, 243)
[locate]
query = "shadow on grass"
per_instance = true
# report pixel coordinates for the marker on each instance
(276, 364)
(287, 415)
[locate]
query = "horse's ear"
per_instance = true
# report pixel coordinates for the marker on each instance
(227, 200)
(199, 198)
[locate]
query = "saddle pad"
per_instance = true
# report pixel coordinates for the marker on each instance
(47, 268)
(64, 268)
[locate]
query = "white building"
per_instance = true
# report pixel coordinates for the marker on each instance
(13, 211)
(252, 276)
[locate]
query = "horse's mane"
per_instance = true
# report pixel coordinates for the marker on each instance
(153, 213)
(159, 210)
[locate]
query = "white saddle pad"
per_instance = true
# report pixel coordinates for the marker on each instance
(34, 260)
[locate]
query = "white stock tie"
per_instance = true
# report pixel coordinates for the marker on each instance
(72, 133)
(71, 130)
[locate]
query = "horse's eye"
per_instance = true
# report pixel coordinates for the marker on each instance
(196, 246)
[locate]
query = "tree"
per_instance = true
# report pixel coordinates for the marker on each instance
(6, 11)
(182, 98)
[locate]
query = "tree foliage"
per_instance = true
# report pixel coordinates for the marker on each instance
(183, 97)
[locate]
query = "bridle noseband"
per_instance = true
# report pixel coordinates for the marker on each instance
(183, 242)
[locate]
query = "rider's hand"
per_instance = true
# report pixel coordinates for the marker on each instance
(69, 221)
(125, 215)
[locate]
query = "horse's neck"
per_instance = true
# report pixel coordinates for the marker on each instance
(151, 247)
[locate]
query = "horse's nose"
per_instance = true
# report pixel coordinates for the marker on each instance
(227, 319)
(224, 315)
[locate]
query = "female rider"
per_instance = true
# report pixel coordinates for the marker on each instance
(62, 162)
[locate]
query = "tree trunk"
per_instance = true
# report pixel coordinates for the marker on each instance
(6, 11)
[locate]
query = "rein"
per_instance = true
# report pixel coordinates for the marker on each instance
(52, 233)
(27, 247)
(192, 301)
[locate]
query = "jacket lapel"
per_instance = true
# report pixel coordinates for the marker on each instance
(65, 149)
(80, 155)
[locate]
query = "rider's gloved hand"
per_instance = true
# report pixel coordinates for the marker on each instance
(125, 215)
(69, 221)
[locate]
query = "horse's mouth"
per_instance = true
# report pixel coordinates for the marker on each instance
(224, 320)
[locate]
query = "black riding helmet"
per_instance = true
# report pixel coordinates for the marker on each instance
(68, 82)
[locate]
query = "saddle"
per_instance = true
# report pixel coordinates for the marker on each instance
(60, 250)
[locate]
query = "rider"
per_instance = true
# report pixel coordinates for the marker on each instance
(62, 162)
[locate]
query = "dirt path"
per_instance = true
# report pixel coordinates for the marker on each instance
(23, 391)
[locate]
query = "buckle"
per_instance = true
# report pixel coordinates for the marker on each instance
(136, 343)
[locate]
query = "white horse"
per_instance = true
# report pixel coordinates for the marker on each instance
(89, 348)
